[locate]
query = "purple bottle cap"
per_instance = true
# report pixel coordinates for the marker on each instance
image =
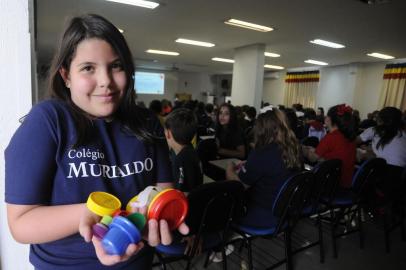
(121, 233)
(99, 230)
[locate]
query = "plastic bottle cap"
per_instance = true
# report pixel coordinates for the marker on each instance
(170, 205)
(121, 233)
(102, 203)
(122, 213)
(106, 220)
(138, 220)
(99, 230)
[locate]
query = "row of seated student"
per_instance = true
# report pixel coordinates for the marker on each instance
(341, 141)
(277, 153)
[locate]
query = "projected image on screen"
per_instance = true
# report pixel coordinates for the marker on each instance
(149, 83)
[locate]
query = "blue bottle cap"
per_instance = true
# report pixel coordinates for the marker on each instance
(122, 232)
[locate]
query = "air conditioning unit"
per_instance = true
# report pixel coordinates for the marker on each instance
(272, 75)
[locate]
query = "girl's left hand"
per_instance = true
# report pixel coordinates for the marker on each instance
(157, 232)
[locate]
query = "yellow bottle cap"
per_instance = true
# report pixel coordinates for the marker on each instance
(103, 203)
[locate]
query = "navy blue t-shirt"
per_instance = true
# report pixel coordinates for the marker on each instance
(265, 172)
(43, 168)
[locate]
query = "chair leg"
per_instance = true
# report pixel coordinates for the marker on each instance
(360, 227)
(321, 243)
(223, 253)
(402, 221)
(386, 232)
(288, 250)
(206, 261)
(249, 248)
(162, 261)
(189, 262)
(332, 229)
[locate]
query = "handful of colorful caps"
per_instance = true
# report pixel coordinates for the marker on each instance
(119, 228)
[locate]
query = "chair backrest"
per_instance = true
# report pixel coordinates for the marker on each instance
(213, 206)
(326, 179)
(207, 150)
(369, 172)
(291, 199)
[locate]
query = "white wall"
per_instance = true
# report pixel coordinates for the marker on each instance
(336, 86)
(15, 101)
(273, 88)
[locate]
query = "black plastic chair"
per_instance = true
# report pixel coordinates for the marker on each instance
(212, 207)
(326, 177)
(287, 210)
(352, 201)
(391, 201)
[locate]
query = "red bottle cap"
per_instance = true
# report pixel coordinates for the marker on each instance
(170, 205)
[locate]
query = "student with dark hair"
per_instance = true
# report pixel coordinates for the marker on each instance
(229, 137)
(87, 137)
(276, 156)
(338, 143)
(388, 137)
(180, 128)
(156, 107)
(313, 127)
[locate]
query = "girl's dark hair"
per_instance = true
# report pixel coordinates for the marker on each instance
(233, 123)
(389, 125)
(341, 117)
(87, 27)
(272, 127)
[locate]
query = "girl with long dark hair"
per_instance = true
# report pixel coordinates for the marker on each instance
(276, 156)
(89, 136)
(229, 136)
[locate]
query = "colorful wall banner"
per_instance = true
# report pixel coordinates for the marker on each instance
(300, 77)
(395, 71)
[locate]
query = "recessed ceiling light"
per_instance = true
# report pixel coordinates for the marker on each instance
(269, 54)
(121, 30)
(249, 25)
(327, 43)
(139, 3)
(315, 62)
(194, 42)
(218, 59)
(273, 67)
(380, 55)
(162, 52)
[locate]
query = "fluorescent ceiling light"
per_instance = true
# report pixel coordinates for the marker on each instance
(194, 42)
(121, 30)
(162, 52)
(218, 59)
(315, 62)
(273, 67)
(327, 43)
(269, 54)
(380, 55)
(249, 25)
(139, 3)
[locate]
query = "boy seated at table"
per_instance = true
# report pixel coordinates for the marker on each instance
(180, 128)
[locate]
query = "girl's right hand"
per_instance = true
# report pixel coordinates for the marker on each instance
(87, 221)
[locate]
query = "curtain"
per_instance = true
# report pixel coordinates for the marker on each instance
(301, 87)
(393, 91)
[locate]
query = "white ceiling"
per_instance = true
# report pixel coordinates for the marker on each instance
(362, 28)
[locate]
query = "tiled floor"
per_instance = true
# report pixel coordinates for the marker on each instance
(350, 256)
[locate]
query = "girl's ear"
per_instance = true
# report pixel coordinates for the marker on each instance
(65, 76)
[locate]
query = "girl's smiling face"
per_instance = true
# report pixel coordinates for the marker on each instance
(96, 79)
